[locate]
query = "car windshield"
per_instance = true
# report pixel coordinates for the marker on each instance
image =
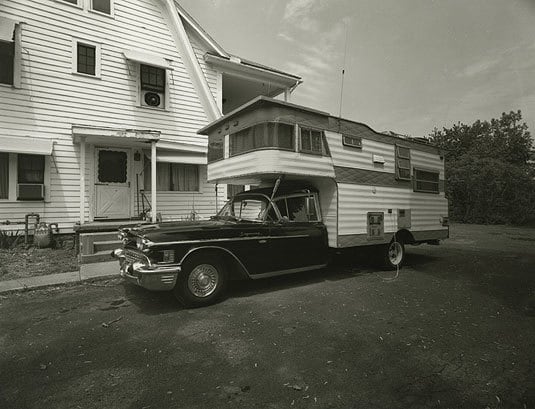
(248, 208)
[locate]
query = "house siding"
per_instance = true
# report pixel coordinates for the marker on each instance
(52, 99)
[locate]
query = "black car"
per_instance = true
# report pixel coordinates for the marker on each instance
(255, 235)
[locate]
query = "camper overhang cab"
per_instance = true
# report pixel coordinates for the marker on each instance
(323, 184)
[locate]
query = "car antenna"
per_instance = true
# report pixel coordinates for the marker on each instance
(276, 187)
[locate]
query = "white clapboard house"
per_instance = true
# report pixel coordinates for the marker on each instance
(118, 88)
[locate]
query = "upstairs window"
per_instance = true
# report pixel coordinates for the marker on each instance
(152, 83)
(102, 6)
(403, 163)
(10, 52)
(426, 181)
(86, 59)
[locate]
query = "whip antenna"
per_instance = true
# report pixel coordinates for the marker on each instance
(343, 74)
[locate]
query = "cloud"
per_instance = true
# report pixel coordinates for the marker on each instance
(303, 13)
(478, 67)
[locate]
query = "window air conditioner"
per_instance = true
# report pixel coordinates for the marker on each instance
(152, 99)
(30, 191)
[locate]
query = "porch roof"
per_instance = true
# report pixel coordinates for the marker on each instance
(106, 136)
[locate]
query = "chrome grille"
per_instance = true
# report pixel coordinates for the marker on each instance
(132, 256)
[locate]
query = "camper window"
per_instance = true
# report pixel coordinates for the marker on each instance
(311, 141)
(403, 163)
(265, 135)
(426, 181)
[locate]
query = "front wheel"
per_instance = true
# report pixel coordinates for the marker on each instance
(202, 281)
(394, 254)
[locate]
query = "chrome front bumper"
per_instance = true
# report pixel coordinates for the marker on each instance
(154, 277)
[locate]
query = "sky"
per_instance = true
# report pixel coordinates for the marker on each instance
(410, 65)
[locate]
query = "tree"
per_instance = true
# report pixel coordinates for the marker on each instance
(488, 178)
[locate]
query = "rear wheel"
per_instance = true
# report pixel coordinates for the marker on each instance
(394, 254)
(202, 281)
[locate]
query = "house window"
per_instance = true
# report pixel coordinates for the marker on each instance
(426, 181)
(264, 135)
(311, 141)
(86, 59)
(403, 163)
(4, 175)
(233, 190)
(10, 52)
(102, 6)
(7, 59)
(152, 81)
(31, 168)
(173, 177)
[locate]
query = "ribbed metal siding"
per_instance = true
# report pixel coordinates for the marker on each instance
(355, 201)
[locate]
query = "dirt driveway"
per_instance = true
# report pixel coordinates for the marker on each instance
(455, 329)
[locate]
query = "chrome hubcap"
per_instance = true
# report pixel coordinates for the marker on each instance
(203, 280)
(395, 253)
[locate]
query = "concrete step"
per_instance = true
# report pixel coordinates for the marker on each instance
(87, 240)
(107, 245)
(104, 255)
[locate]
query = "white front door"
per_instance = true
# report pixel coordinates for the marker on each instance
(112, 183)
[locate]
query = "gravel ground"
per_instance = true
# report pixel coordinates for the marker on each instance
(455, 329)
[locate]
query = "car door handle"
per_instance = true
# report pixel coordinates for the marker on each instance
(263, 241)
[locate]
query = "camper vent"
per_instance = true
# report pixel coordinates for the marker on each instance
(30, 191)
(353, 141)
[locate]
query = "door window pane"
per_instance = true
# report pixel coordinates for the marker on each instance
(112, 166)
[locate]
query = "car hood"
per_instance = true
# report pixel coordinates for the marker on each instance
(185, 230)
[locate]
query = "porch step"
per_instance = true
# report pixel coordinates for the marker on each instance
(99, 256)
(107, 245)
(88, 240)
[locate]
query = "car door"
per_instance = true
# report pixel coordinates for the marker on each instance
(299, 240)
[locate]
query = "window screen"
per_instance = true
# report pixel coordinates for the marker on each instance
(112, 166)
(30, 168)
(426, 181)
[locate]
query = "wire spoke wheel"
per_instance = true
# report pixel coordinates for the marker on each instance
(203, 280)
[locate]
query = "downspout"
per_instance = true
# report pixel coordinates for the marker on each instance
(191, 63)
